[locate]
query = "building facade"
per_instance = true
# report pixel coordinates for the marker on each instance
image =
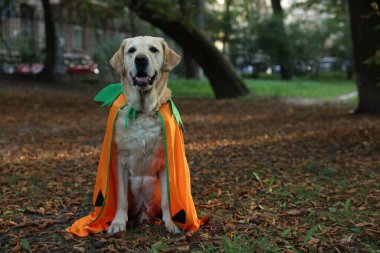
(90, 29)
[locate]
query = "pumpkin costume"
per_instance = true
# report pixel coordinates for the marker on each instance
(182, 210)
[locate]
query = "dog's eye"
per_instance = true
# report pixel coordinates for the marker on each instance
(131, 50)
(153, 49)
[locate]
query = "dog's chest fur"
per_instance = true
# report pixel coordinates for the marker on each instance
(140, 151)
(140, 145)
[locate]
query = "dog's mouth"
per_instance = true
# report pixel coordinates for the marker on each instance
(143, 80)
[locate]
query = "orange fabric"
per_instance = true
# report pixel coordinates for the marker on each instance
(178, 173)
(182, 207)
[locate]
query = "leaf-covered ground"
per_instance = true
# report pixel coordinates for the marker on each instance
(272, 177)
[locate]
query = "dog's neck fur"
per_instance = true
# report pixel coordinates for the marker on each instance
(150, 100)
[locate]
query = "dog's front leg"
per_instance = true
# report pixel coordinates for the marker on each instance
(121, 217)
(169, 224)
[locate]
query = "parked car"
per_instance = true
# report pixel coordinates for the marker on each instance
(74, 63)
(79, 63)
(273, 69)
(327, 64)
(28, 68)
(7, 69)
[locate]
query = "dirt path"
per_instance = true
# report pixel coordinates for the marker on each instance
(307, 101)
(273, 177)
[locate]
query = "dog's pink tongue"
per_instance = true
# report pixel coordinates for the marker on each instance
(142, 79)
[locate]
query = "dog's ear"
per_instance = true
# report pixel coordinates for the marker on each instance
(171, 58)
(117, 60)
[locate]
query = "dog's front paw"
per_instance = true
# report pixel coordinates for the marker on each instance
(117, 225)
(171, 227)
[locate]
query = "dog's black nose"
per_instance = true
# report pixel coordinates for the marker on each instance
(141, 61)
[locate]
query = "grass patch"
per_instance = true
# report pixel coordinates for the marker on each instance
(242, 243)
(183, 88)
(306, 194)
(372, 248)
(237, 244)
(56, 237)
(14, 179)
(315, 169)
(321, 89)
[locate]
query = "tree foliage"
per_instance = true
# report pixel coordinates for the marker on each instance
(168, 17)
(327, 34)
(273, 39)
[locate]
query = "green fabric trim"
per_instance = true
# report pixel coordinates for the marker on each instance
(108, 167)
(167, 164)
(109, 94)
(130, 114)
(176, 114)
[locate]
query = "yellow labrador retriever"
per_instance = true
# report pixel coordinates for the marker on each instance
(143, 63)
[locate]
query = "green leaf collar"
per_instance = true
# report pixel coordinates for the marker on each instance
(176, 114)
(110, 93)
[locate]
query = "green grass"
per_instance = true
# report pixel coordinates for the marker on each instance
(243, 243)
(183, 88)
(313, 89)
(321, 89)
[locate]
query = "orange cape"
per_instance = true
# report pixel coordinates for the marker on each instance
(182, 209)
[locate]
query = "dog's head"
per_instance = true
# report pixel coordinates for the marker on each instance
(141, 60)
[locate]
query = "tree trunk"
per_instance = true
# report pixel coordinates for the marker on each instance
(191, 68)
(132, 24)
(8, 49)
(283, 53)
(224, 81)
(3, 7)
(365, 40)
(349, 62)
(227, 26)
(277, 8)
(50, 44)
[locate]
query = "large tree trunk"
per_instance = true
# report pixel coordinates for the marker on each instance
(277, 8)
(191, 66)
(132, 24)
(283, 53)
(192, 71)
(3, 6)
(365, 40)
(50, 44)
(223, 79)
